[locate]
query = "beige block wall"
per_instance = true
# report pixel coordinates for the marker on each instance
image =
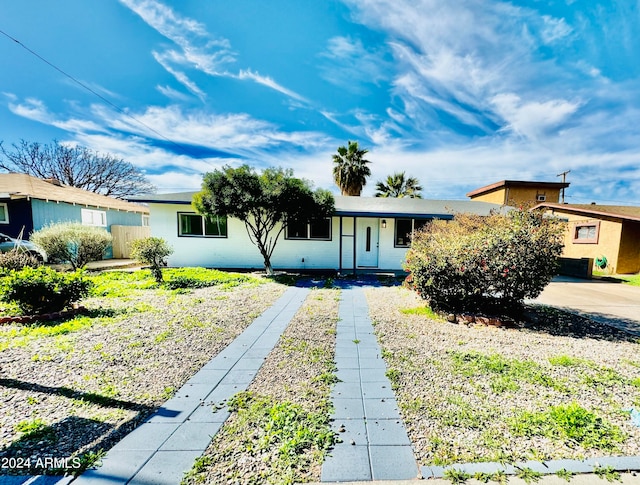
(608, 240)
(526, 194)
(629, 257)
(495, 197)
(519, 195)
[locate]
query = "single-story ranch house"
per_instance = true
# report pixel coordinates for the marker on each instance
(365, 233)
(596, 231)
(28, 204)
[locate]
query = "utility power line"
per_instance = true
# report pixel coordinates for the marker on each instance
(98, 95)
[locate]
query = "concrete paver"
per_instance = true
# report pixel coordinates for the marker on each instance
(166, 445)
(375, 445)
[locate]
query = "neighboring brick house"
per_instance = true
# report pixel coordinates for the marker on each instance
(518, 192)
(596, 231)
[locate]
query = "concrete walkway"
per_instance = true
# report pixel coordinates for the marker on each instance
(165, 446)
(374, 444)
(614, 304)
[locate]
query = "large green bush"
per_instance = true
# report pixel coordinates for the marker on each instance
(152, 251)
(489, 264)
(73, 243)
(43, 290)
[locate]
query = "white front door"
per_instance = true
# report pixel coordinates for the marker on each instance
(367, 243)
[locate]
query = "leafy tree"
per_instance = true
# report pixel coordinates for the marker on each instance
(398, 185)
(488, 264)
(152, 251)
(264, 202)
(350, 171)
(76, 166)
(73, 243)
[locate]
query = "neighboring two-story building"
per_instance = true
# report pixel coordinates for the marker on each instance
(519, 192)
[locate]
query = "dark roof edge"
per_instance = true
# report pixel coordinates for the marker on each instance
(580, 210)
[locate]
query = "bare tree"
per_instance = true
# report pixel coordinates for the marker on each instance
(76, 166)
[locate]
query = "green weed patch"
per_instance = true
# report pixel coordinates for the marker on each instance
(571, 423)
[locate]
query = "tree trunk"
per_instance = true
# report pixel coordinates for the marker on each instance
(267, 267)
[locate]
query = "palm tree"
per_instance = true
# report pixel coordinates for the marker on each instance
(397, 185)
(350, 171)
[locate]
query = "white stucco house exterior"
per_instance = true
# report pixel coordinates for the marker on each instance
(365, 233)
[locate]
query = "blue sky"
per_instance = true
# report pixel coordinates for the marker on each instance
(459, 94)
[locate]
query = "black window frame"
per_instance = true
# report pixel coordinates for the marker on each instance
(413, 221)
(308, 236)
(202, 218)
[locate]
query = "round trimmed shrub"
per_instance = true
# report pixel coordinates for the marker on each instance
(73, 243)
(44, 290)
(152, 251)
(487, 264)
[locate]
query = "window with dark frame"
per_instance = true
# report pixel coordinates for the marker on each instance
(404, 229)
(586, 232)
(4, 213)
(195, 225)
(319, 230)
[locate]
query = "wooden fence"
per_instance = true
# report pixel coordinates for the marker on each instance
(123, 236)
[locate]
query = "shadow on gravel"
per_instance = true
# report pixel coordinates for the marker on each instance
(73, 436)
(556, 321)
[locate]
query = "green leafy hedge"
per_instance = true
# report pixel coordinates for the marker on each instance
(489, 264)
(43, 290)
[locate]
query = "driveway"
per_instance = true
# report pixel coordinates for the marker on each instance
(614, 304)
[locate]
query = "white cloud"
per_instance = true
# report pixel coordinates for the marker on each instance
(164, 59)
(172, 94)
(554, 29)
(533, 119)
(267, 81)
(349, 64)
(198, 48)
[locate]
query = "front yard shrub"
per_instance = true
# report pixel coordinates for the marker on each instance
(16, 260)
(73, 243)
(44, 290)
(488, 264)
(152, 251)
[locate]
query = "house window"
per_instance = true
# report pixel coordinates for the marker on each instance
(319, 230)
(405, 229)
(195, 225)
(4, 213)
(586, 232)
(92, 217)
(145, 220)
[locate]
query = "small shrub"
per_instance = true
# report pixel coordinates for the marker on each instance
(152, 251)
(16, 260)
(73, 243)
(486, 264)
(42, 290)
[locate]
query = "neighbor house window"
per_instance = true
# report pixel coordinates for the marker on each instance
(92, 217)
(586, 232)
(145, 220)
(191, 224)
(404, 231)
(320, 229)
(4, 213)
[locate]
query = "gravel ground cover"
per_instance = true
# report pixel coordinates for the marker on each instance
(280, 427)
(73, 388)
(555, 387)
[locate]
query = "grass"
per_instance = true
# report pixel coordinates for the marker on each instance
(570, 423)
(424, 311)
(506, 374)
(122, 284)
(633, 280)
